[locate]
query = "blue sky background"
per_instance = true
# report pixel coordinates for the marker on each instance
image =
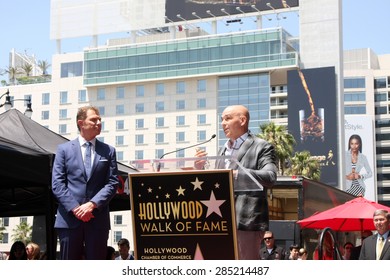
(26, 28)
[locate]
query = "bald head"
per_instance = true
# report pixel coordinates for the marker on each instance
(235, 121)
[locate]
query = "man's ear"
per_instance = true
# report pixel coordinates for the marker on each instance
(79, 123)
(243, 120)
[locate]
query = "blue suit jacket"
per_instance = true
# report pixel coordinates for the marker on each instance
(71, 187)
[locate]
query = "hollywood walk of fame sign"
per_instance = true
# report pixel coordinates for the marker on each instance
(183, 215)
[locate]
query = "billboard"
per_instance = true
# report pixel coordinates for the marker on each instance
(312, 117)
(221, 8)
(84, 18)
(360, 156)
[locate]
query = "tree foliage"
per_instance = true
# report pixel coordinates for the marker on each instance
(22, 232)
(282, 141)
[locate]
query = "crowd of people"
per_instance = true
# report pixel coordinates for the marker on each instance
(20, 251)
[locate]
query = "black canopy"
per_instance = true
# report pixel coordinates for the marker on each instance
(27, 150)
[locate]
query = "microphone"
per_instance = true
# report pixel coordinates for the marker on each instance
(185, 148)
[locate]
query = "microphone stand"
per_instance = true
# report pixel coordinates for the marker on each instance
(185, 148)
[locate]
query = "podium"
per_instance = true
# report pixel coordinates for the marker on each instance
(183, 208)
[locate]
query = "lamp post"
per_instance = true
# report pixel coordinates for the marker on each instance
(8, 104)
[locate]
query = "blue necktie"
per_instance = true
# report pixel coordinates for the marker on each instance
(87, 160)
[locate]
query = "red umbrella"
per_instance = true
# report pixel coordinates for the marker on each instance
(353, 215)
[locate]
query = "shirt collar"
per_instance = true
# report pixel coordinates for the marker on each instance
(236, 144)
(82, 141)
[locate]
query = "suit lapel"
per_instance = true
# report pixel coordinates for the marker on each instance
(244, 147)
(97, 155)
(77, 151)
(386, 246)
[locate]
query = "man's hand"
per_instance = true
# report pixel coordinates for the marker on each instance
(199, 164)
(84, 211)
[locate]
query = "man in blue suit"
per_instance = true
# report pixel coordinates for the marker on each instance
(84, 180)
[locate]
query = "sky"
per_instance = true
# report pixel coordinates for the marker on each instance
(26, 28)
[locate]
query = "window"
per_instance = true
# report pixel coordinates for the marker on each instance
(139, 108)
(119, 140)
(139, 154)
(201, 119)
(119, 155)
(45, 115)
(160, 122)
(63, 114)
(140, 91)
(180, 87)
(180, 120)
(118, 219)
(103, 125)
(120, 92)
(201, 103)
(139, 139)
(63, 97)
(159, 138)
(354, 83)
(159, 153)
(72, 69)
(139, 123)
(180, 104)
(23, 220)
(4, 221)
(380, 83)
(120, 125)
(201, 87)
(120, 109)
(62, 129)
(355, 96)
(351, 110)
(45, 98)
(5, 239)
(159, 106)
(82, 95)
(117, 236)
(201, 135)
(160, 89)
(180, 137)
(26, 98)
(101, 94)
(102, 110)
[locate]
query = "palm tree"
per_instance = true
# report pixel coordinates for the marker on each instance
(22, 232)
(12, 73)
(43, 65)
(282, 141)
(27, 68)
(302, 163)
(2, 229)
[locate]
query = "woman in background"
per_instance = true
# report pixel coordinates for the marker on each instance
(355, 161)
(33, 251)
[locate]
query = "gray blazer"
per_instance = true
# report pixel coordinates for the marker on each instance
(361, 163)
(258, 158)
(368, 251)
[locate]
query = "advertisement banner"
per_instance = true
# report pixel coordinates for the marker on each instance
(183, 215)
(360, 156)
(312, 117)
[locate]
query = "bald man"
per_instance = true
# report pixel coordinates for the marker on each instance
(258, 158)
